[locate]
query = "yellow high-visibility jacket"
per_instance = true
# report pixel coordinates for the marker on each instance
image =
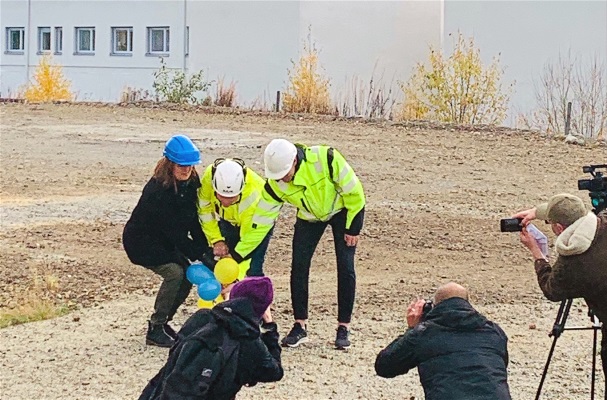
(239, 214)
(323, 185)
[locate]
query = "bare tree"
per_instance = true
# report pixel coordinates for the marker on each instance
(569, 79)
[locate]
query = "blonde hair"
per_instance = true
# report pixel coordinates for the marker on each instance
(164, 173)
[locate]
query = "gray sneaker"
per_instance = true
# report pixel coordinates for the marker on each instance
(341, 340)
(296, 336)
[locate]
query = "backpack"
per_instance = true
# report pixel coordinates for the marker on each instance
(200, 366)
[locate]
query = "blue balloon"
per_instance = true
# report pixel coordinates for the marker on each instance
(209, 289)
(198, 273)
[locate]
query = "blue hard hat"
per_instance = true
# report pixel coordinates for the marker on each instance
(181, 150)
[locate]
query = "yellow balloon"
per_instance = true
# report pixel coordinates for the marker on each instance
(205, 304)
(226, 270)
(210, 304)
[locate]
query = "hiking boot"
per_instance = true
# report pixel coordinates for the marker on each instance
(170, 331)
(296, 337)
(341, 340)
(158, 336)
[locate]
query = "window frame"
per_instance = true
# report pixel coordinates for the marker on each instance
(58, 40)
(166, 38)
(9, 49)
(115, 51)
(77, 31)
(41, 31)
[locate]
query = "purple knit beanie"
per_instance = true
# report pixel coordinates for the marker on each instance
(258, 289)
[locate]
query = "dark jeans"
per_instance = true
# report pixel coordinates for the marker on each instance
(173, 291)
(232, 235)
(305, 239)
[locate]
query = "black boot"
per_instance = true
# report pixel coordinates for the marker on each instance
(170, 331)
(157, 336)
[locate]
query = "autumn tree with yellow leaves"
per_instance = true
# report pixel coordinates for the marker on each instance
(457, 88)
(48, 83)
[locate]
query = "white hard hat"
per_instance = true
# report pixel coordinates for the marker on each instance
(228, 179)
(278, 158)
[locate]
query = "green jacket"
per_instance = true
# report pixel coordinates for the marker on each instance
(323, 185)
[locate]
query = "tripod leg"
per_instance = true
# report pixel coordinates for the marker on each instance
(557, 329)
(539, 389)
(604, 354)
(593, 363)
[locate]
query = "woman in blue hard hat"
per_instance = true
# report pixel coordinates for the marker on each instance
(164, 234)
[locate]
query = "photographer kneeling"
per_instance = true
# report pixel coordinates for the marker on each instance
(580, 269)
(460, 354)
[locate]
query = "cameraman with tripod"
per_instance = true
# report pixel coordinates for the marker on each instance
(580, 269)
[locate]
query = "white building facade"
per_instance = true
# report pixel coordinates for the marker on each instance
(105, 46)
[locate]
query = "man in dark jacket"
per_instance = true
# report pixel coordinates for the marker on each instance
(460, 355)
(258, 353)
(580, 269)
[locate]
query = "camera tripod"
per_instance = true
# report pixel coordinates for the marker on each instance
(558, 328)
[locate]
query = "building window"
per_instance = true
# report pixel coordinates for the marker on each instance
(44, 39)
(122, 40)
(85, 40)
(15, 40)
(158, 40)
(58, 40)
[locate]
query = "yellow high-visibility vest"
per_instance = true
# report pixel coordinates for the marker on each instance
(239, 214)
(319, 190)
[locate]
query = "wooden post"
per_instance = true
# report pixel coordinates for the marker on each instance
(568, 121)
(277, 101)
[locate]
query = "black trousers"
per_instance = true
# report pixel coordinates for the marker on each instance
(173, 291)
(305, 239)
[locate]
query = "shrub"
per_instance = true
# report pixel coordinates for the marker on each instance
(225, 96)
(175, 86)
(307, 90)
(570, 79)
(34, 303)
(49, 83)
(457, 89)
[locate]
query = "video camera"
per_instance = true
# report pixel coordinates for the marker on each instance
(597, 186)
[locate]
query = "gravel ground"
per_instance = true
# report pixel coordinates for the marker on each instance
(70, 176)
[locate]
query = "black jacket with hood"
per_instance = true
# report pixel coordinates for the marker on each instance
(258, 354)
(164, 225)
(460, 354)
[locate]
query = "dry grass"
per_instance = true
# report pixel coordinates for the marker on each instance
(49, 83)
(35, 303)
(370, 100)
(225, 95)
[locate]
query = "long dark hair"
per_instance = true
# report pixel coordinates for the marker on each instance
(164, 173)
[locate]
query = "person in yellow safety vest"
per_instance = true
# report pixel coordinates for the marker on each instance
(326, 191)
(227, 201)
